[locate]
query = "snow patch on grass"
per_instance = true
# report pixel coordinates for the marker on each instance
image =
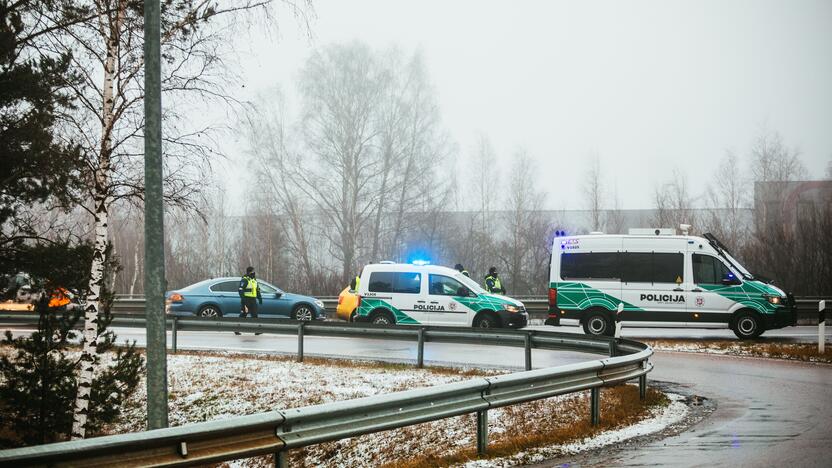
(660, 419)
(206, 387)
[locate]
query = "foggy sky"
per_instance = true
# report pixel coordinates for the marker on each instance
(648, 86)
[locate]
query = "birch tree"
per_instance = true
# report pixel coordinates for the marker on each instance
(107, 56)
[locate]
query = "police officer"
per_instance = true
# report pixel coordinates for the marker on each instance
(493, 283)
(356, 282)
(458, 267)
(249, 294)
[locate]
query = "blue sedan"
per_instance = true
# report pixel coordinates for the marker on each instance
(218, 297)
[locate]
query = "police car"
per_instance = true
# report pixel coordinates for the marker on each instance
(412, 294)
(660, 281)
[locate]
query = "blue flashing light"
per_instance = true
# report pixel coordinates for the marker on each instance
(420, 262)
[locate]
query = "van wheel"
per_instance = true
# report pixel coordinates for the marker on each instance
(597, 323)
(747, 325)
(382, 318)
(486, 321)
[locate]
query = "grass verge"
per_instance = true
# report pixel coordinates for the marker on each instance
(805, 352)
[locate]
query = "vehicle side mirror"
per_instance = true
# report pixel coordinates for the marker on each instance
(277, 295)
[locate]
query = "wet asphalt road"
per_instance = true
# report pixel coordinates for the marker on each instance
(769, 413)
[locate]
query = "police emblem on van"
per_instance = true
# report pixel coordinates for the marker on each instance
(700, 301)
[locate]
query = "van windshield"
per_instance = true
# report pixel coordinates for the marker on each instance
(469, 283)
(745, 273)
(722, 251)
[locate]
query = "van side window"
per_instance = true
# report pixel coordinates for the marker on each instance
(444, 286)
(395, 282)
(668, 267)
(635, 267)
(708, 269)
(595, 265)
(647, 267)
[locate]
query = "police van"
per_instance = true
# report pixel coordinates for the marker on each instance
(659, 281)
(410, 294)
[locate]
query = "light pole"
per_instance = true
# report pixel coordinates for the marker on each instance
(154, 251)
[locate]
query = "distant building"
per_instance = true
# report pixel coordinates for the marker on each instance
(791, 204)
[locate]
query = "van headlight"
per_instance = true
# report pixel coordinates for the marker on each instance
(511, 308)
(776, 300)
(319, 303)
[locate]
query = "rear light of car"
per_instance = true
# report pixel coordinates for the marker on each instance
(358, 304)
(340, 300)
(553, 297)
(176, 297)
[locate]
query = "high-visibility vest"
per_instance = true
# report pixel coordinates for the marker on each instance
(251, 287)
(498, 286)
(357, 282)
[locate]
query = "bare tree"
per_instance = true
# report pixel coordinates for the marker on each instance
(673, 203)
(370, 121)
(594, 193)
(341, 88)
(484, 173)
(726, 197)
(771, 160)
(523, 203)
(614, 218)
(279, 167)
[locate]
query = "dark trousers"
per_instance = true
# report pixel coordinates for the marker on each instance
(248, 304)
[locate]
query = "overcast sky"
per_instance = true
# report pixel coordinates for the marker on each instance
(649, 86)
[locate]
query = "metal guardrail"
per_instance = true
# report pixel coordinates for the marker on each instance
(537, 306)
(278, 431)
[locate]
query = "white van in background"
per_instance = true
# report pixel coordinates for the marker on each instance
(408, 294)
(661, 281)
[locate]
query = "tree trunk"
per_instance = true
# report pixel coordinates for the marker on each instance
(135, 278)
(87, 361)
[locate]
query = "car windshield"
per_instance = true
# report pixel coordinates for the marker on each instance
(469, 283)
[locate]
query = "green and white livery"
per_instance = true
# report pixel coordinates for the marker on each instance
(391, 293)
(659, 281)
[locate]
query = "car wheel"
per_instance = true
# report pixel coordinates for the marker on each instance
(486, 321)
(382, 318)
(597, 323)
(303, 313)
(747, 326)
(210, 311)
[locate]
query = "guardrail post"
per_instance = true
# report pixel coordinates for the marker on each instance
(482, 432)
(618, 319)
(613, 348)
(642, 387)
(528, 345)
(280, 456)
(595, 405)
(420, 349)
(821, 327)
(173, 334)
(300, 342)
